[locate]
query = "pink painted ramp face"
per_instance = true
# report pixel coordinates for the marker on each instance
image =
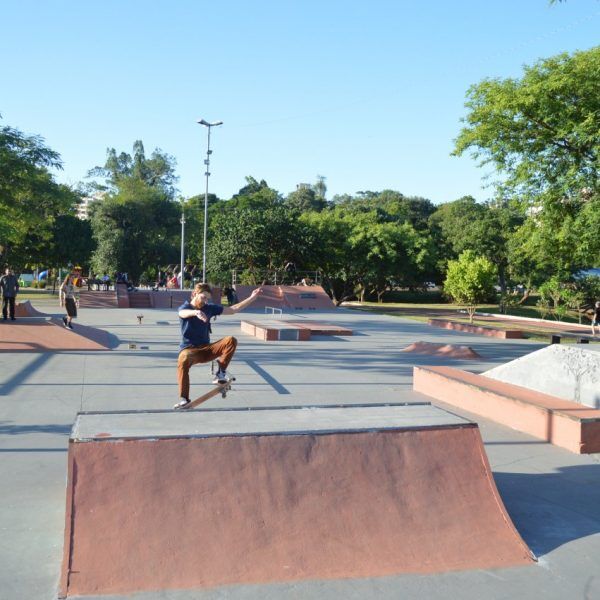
(279, 495)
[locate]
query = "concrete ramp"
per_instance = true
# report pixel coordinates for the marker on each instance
(311, 297)
(445, 350)
(271, 295)
(26, 309)
(49, 335)
(288, 297)
(167, 500)
(565, 372)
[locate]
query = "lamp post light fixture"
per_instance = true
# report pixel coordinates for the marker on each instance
(207, 174)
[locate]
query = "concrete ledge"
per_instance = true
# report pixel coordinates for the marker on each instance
(505, 334)
(98, 299)
(563, 423)
(182, 501)
(122, 295)
(321, 328)
(271, 331)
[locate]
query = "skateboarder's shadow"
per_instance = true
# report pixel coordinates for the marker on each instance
(552, 509)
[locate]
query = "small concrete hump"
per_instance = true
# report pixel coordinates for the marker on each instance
(445, 350)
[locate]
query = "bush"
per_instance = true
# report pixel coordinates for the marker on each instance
(470, 280)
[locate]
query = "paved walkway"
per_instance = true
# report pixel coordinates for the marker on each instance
(553, 496)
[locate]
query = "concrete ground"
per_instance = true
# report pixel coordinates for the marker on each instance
(553, 496)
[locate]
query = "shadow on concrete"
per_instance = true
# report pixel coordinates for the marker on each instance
(21, 376)
(7, 429)
(552, 509)
(280, 389)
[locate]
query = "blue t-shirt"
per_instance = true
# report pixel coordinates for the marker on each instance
(194, 331)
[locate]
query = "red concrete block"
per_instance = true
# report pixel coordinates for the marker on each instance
(560, 422)
(317, 328)
(487, 331)
(272, 331)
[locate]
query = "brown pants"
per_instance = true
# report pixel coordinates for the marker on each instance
(221, 351)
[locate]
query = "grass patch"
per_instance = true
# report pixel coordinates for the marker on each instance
(408, 310)
(33, 294)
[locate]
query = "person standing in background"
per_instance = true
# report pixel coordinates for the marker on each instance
(68, 298)
(596, 318)
(9, 285)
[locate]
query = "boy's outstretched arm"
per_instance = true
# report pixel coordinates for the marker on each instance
(231, 310)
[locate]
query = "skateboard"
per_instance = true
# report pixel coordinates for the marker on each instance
(220, 388)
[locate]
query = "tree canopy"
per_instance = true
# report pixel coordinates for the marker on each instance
(541, 132)
(30, 198)
(158, 171)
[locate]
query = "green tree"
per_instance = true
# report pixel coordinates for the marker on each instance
(333, 255)
(252, 187)
(389, 255)
(586, 228)
(72, 241)
(320, 188)
(541, 132)
(255, 241)
(304, 199)
(158, 171)
(470, 280)
(30, 199)
(360, 252)
(135, 230)
(484, 228)
(553, 242)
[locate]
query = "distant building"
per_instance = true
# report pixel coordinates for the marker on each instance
(83, 207)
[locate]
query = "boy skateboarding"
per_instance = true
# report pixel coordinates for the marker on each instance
(194, 319)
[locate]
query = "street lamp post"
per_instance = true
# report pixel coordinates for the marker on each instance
(182, 245)
(207, 174)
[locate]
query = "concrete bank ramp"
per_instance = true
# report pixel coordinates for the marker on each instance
(169, 500)
(312, 297)
(561, 371)
(26, 309)
(445, 350)
(289, 298)
(49, 335)
(271, 295)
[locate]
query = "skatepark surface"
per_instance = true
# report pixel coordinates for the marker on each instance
(551, 495)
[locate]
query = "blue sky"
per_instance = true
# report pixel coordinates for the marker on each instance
(369, 95)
